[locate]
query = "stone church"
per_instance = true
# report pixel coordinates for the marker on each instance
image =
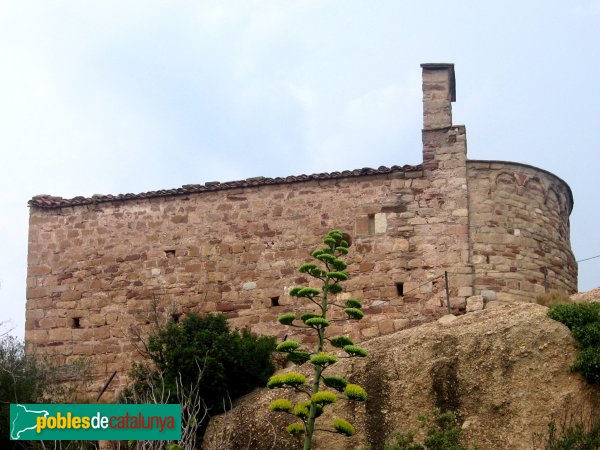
(101, 269)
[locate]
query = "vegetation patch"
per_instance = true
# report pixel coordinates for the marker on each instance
(328, 272)
(583, 319)
(442, 432)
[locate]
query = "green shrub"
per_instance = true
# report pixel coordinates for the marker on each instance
(575, 315)
(588, 364)
(583, 320)
(442, 432)
(204, 355)
(232, 362)
(22, 380)
(28, 378)
(587, 335)
(574, 437)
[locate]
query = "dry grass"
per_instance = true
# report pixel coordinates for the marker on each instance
(552, 298)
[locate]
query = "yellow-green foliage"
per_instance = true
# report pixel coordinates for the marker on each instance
(283, 379)
(323, 359)
(286, 319)
(355, 350)
(295, 429)
(355, 392)
(335, 382)
(287, 346)
(329, 272)
(280, 404)
(344, 427)
(324, 398)
(302, 409)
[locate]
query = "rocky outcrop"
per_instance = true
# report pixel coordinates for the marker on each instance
(504, 371)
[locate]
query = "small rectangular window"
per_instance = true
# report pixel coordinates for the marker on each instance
(169, 253)
(274, 301)
(75, 322)
(400, 289)
(371, 224)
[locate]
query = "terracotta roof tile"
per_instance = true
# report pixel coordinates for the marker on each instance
(50, 202)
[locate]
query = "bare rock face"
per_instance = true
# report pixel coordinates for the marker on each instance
(504, 371)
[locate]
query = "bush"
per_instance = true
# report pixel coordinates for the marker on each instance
(588, 364)
(27, 378)
(203, 356)
(22, 380)
(232, 362)
(588, 335)
(442, 432)
(575, 315)
(583, 320)
(573, 437)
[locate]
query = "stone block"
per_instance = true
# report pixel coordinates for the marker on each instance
(370, 332)
(401, 324)
(60, 334)
(249, 285)
(488, 295)
(37, 336)
(380, 223)
(101, 333)
(475, 303)
(386, 326)
(465, 291)
(70, 296)
(447, 319)
(37, 292)
(97, 320)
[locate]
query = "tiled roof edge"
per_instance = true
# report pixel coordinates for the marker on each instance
(52, 202)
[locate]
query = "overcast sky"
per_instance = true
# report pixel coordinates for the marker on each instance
(108, 97)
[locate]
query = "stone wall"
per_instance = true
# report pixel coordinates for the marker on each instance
(101, 269)
(520, 230)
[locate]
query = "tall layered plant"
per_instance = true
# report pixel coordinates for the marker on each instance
(329, 271)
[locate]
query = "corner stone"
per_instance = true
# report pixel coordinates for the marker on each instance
(474, 303)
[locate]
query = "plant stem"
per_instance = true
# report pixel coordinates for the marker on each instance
(310, 425)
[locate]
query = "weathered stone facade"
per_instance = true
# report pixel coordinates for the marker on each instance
(98, 266)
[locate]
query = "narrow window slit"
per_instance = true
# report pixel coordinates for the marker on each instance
(275, 301)
(75, 322)
(371, 224)
(400, 289)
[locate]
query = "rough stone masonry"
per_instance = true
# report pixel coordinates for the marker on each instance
(100, 268)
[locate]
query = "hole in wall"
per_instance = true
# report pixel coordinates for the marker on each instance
(175, 317)
(400, 289)
(275, 301)
(371, 224)
(75, 322)
(169, 253)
